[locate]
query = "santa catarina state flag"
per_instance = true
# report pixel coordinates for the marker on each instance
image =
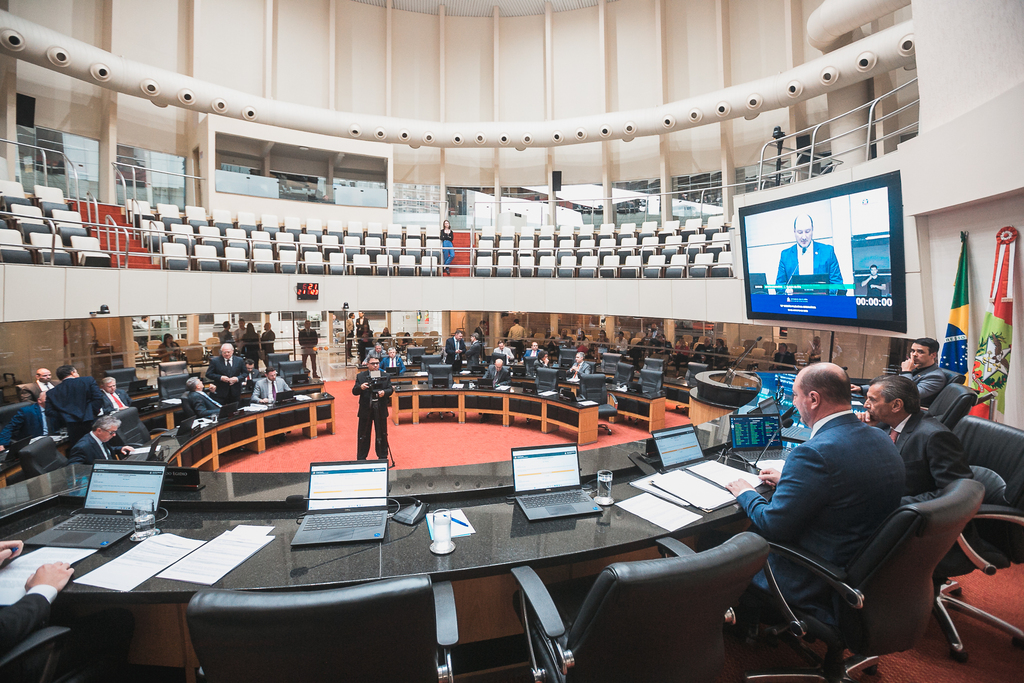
(992, 360)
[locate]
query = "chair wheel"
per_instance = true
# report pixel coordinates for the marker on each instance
(871, 670)
(959, 656)
(1018, 643)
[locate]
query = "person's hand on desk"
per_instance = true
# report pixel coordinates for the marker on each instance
(737, 487)
(57, 575)
(770, 476)
(126, 450)
(9, 549)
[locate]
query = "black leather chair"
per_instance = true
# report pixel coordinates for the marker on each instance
(40, 457)
(329, 635)
(623, 374)
(412, 354)
(952, 403)
(594, 388)
(132, 432)
(176, 367)
(885, 594)
(654, 364)
(124, 376)
(275, 359)
(171, 386)
(996, 538)
(609, 361)
(953, 377)
(287, 370)
(652, 620)
(547, 379)
(694, 369)
(438, 371)
(651, 382)
(426, 360)
(530, 364)
(42, 647)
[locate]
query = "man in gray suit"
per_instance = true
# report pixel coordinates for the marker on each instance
(269, 387)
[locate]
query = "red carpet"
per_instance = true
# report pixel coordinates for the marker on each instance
(432, 443)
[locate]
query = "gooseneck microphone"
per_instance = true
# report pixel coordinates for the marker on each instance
(732, 370)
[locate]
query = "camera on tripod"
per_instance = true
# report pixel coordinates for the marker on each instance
(376, 381)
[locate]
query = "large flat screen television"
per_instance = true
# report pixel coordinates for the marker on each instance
(832, 256)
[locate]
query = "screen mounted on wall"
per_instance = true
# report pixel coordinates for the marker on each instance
(308, 291)
(832, 256)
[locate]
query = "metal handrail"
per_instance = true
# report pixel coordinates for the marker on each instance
(870, 106)
(117, 238)
(154, 170)
(128, 209)
(46, 174)
(90, 205)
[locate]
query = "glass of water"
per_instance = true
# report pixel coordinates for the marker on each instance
(442, 544)
(604, 488)
(144, 515)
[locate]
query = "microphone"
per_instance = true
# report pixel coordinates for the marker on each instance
(732, 371)
(296, 499)
(786, 417)
(768, 445)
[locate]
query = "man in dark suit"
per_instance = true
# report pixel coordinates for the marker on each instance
(921, 368)
(474, 350)
(44, 382)
(454, 350)
(32, 611)
(29, 421)
(579, 367)
(499, 373)
(249, 375)
(114, 399)
(834, 492)
(225, 372)
(373, 388)
(807, 257)
(201, 404)
(96, 444)
(784, 359)
(74, 402)
(932, 455)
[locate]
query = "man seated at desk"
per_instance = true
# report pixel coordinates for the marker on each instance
(27, 422)
(376, 352)
(201, 404)
(499, 374)
(502, 350)
(533, 351)
(250, 375)
(269, 387)
(580, 366)
(96, 444)
(835, 491)
(392, 360)
(114, 399)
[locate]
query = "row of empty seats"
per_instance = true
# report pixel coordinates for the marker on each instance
(610, 266)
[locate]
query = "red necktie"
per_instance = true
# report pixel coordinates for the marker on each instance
(893, 434)
(117, 401)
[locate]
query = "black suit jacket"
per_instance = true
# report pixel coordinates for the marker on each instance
(454, 348)
(76, 399)
(933, 457)
(500, 377)
(226, 393)
(87, 451)
(26, 422)
(20, 620)
(202, 405)
(366, 397)
(108, 407)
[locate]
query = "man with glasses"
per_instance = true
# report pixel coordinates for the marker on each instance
(96, 444)
(373, 388)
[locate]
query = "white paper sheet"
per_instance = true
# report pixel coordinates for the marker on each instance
(723, 474)
(140, 563)
(547, 393)
(698, 493)
(460, 524)
(772, 464)
(213, 561)
(645, 484)
(660, 512)
(18, 570)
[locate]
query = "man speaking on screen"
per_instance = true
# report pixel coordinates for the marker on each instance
(807, 257)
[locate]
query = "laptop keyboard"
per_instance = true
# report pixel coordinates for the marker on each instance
(345, 520)
(563, 498)
(98, 523)
(797, 432)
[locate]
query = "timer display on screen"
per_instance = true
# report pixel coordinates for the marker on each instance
(308, 291)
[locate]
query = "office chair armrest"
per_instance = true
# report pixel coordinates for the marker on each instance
(536, 593)
(51, 635)
(672, 546)
(831, 574)
(444, 614)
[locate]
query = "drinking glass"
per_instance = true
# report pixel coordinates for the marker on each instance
(144, 515)
(442, 544)
(604, 488)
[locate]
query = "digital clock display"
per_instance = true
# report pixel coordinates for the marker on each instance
(308, 291)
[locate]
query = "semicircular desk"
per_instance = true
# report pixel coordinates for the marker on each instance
(479, 567)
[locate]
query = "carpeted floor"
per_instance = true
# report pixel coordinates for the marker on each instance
(432, 443)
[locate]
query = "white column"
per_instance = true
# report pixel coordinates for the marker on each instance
(332, 54)
(549, 107)
(268, 48)
(388, 11)
(725, 80)
(606, 145)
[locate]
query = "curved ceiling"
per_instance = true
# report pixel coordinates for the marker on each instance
(478, 8)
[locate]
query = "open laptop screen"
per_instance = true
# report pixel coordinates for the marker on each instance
(545, 467)
(116, 485)
(334, 485)
(754, 431)
(677, 445)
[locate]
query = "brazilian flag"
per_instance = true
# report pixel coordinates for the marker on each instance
(954, 345)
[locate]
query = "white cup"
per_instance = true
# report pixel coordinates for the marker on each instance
(442, 544)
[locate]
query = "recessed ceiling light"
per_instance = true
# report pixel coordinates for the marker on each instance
(303, 149)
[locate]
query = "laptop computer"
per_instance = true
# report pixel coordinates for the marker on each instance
(347, 502)
(676, 447)
(107, 516)
(751, 435)
(547, 482)
(485, 383)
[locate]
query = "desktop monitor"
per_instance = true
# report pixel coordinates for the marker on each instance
(833, 256)
(439, 376)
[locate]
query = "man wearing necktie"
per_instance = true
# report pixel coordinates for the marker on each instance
(201, 404)
(44, 382)
(29, 421)
(96, 444)
(114, 399)
(269, 387)
(807, 257)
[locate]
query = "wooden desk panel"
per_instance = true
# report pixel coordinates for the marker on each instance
(641, 408)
